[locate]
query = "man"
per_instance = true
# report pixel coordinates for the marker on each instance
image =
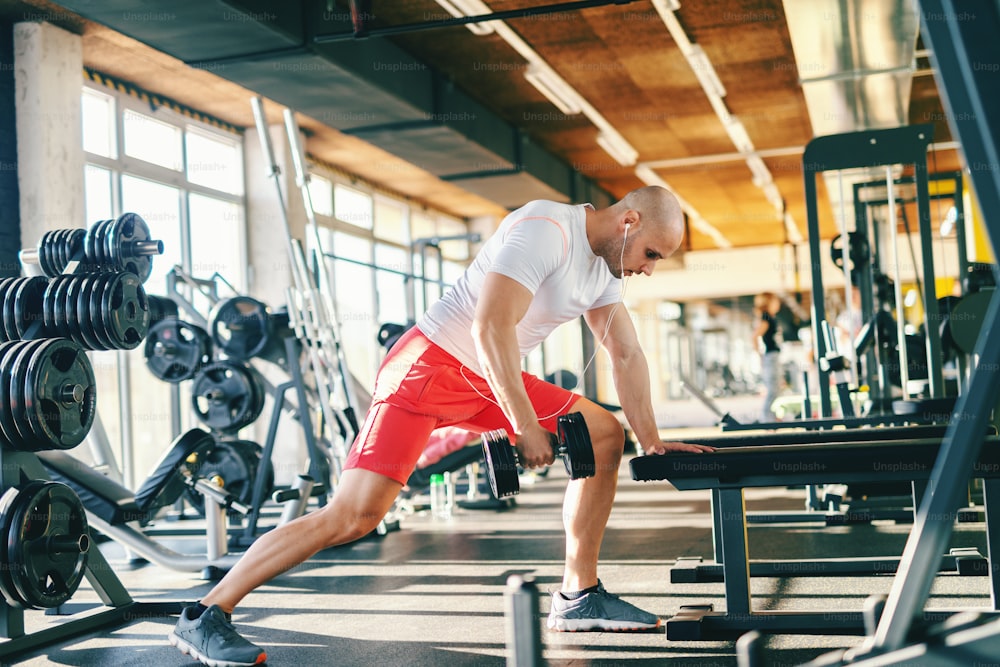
(547, 264)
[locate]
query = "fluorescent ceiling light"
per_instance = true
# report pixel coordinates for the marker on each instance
(738, 133)
(462, 8)
(703, 69)
(794, 235)
(554, 89)
(761, 174)
(618, 148)
(667, 5)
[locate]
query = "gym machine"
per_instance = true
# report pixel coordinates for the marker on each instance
(228, 392)
(956, 47)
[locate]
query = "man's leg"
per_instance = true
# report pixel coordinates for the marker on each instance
(362, 499)
(587, 503)
(583, 604)
(205, 632)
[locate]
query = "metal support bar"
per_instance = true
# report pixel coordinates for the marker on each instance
(468, 20)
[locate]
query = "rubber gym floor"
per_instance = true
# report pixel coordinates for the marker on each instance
(432, 593)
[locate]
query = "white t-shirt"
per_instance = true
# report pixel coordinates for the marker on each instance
(542, 245)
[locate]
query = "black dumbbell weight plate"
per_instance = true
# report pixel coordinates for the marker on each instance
(47, 544)
(70, 305)
(127, 230)
(8, 430)
(28, 308)
(85, 316)
(501, 464)
(60, 394)
(7, 504)
(19, 375)
(9, 323)
(100, 248)
(97, 309)
(175, 350)
(125, 310)
(90, 248)
(60, 318)
(579, 454)
(5, 285)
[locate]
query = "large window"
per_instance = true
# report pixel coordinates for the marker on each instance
(381, 266)
(185, 178)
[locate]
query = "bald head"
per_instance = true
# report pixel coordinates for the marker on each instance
(656, 205)
(649, 221)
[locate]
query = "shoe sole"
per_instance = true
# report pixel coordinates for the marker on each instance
(599, 625)
(188, 649)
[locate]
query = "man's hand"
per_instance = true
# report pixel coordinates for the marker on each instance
(664, 447)
(534, 446)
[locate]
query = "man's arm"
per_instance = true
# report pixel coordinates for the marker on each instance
(502, 303)
(630, 372)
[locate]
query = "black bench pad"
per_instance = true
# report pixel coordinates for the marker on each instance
(778, 465)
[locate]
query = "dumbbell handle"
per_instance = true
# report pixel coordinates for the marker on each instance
(143, 248)
(130, 249)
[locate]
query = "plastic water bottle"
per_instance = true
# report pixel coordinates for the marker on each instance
(439, 498)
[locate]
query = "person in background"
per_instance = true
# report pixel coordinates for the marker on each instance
(765, 340)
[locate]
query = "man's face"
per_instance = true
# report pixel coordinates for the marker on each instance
(639, 251)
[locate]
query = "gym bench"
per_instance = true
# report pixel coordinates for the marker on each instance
(111, 507)
(968, 562)
(730, 470)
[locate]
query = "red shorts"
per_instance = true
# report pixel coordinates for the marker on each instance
(419, 388)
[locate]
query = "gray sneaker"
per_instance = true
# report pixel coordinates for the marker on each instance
(599, 610)
(213, 640)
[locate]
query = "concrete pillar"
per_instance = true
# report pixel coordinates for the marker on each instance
(48, 74)
(270, 266)
(271, 274)
(10, 225)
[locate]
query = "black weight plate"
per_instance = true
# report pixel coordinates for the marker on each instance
(53, 252)
(48, 306)
(57, 256)
(129, 229)
(501, 464)
(7, 505)
(60, 394)
(19, 375)
(175, 350)
(74, 244)
(85, 317)
(112, 235)
(7, 428)
(29, 308)
(126, 311)
(97, 309)
(223, 396)
(100, 253)
(9, 323)
(47, 513)
(60, 316)
(44, 251)
(235, 464)
(240, 327)
(5, 285)
(72, 318)
(89, 248)
(579, 454)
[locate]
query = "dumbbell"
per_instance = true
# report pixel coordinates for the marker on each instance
(572, 442)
